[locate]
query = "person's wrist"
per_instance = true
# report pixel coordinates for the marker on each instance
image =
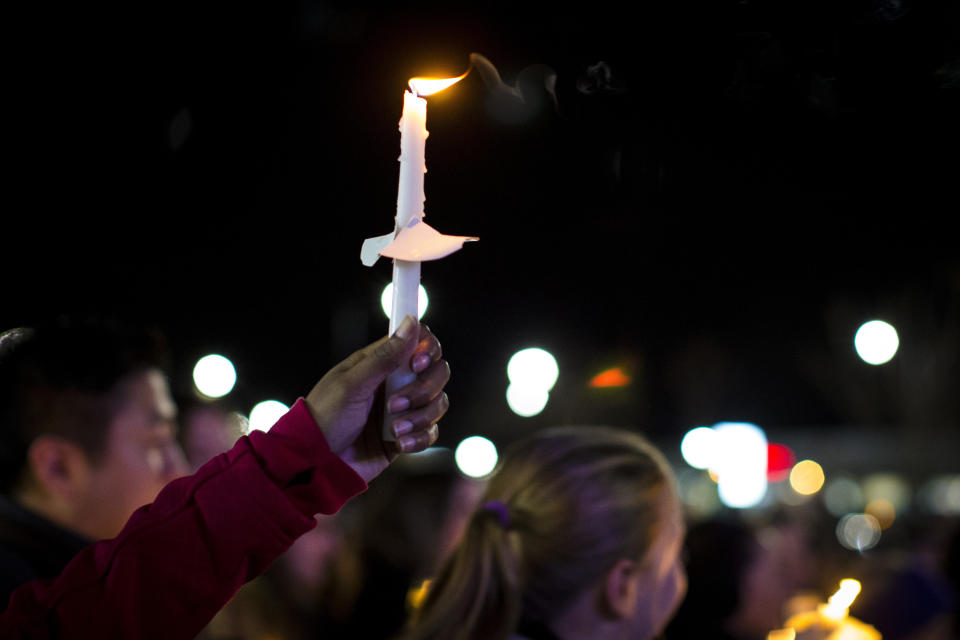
(319, 415)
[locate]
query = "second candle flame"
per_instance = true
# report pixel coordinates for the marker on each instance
(839, 602)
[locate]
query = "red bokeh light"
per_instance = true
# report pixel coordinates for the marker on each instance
(780, 459)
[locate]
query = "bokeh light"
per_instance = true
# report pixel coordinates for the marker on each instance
(265, 414)
(858, 531)
(843, 495)
(941, 495)
(883, 510)
(214, 376)
(780, 459)
(876, 342)
(386, 300)
(741, 464)
(806, 477)
(890, 487)
(476, 456)
(533, 367)
(532, 373)
(526, 401)
(609, 379)
(698, 493)
(785, 494)
(699, 447)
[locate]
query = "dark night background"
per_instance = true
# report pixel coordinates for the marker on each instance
(724, 193)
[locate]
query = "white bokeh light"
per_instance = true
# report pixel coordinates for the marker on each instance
(699, 447)
(214, 376)
(526, 401)
(858, 531)
(386, 300)
(876, 342)
(843, 495)
(476, 456)
(941, 494)
(533, 367)
(266, 413)
(532, 372)
(741, 464)
(888, 486)
(698, 492)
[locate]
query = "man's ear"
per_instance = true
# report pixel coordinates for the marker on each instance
(622, 589)
(59, 469)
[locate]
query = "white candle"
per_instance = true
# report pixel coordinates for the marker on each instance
(410, 198)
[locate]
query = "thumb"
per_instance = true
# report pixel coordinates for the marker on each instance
(371, 365)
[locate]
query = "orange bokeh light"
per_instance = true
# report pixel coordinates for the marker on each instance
(614, 377)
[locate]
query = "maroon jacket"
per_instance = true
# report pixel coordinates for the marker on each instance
(179, 560)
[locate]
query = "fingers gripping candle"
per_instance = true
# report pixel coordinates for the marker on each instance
(412, 240)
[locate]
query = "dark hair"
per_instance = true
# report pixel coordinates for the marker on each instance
(569, 502)
(718, 553)
(57, 378)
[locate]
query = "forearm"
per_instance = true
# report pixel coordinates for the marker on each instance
(179, 560)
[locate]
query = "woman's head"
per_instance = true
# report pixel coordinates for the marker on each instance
(585, 510)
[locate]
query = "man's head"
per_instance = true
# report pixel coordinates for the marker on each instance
(87, 424)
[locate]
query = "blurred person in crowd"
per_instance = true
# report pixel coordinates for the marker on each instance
(909, 593)
(951, 569)
(578, 535)
(288, 600)
(739, 579)
(357, 574)
(178, 560)
(308, 592)
(208, 429)
(398, 536)
(388, 542)
(87, 436)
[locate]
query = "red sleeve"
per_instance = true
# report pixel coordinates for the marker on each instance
(179, 560)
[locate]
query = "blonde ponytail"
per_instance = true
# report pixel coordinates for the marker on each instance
(564, 505)
(477, 593)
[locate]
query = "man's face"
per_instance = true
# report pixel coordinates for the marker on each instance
(141, 456)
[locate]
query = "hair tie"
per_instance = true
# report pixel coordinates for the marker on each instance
(500, 509)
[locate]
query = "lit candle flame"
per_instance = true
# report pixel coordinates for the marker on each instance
(427, 86)
(837, 605)
(829, 620)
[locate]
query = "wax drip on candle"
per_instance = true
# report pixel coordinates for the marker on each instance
(412, 239)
